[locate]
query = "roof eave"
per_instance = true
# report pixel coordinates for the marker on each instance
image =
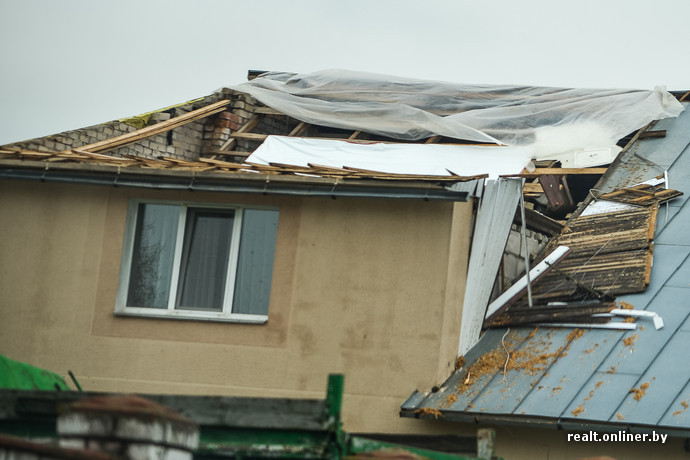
(209, 181)
(567, 424)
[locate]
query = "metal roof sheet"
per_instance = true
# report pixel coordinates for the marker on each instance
(598, 379)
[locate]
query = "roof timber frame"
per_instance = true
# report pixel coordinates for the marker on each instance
(218, 158)
(301, 128)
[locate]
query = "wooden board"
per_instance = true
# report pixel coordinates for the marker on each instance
(571, 313)
(642, 195)
(614, 274)
(608, 233)
(167, 125)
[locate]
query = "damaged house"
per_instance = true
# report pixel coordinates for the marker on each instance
(470, 242)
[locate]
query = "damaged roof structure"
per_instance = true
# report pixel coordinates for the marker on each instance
(531, 159)
(628, 256)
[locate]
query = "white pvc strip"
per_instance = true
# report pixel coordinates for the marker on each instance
(419, 159)
(521, 284)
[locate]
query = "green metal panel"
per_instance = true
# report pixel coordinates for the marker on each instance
(222, 442)
(15, 375)
(358, 445)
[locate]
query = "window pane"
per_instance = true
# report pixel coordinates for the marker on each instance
(205, 253)
(255, 263)
(152, 257)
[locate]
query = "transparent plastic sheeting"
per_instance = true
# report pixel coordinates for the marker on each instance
(423, 159)
(545, 121)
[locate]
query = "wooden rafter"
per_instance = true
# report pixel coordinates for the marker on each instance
(354, 135)
(135, 136)
(299, 129)
(230, 143)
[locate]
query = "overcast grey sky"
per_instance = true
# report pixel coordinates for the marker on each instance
(67, 64)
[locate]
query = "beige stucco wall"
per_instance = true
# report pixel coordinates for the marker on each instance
(369, 288)
(366, 287)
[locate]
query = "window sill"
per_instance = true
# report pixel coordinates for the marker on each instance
(192, 316)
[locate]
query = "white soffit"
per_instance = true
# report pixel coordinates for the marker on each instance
(422, 159)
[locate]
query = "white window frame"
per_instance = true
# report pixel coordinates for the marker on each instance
(226, 314)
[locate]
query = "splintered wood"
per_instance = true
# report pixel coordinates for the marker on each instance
(611, 254)
(211, 164)
(643, 195)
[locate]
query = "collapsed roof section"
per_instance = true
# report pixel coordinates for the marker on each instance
(586, 378)
(546, 121)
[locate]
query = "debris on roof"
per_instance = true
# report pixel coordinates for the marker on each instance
(642, 195)
(610, 254)
(605, 378)
(213, 165)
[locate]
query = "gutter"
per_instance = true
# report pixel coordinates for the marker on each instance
(557, 423)
(208, 181)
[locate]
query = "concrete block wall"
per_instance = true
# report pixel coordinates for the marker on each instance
(514, 255)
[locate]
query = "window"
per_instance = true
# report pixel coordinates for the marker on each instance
(197, 261)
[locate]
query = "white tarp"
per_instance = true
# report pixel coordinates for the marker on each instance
(423, 159)
(545, 121)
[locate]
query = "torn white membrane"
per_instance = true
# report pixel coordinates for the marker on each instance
(417, 159)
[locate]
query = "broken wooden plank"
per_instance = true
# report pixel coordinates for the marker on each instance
(221, 163)
(532, 188)
(581, 311)
(234, 153)
(653, 134)
(158, 128)
(642, 195)
(539, 222)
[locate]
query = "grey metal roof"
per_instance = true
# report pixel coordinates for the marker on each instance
(587, 381)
